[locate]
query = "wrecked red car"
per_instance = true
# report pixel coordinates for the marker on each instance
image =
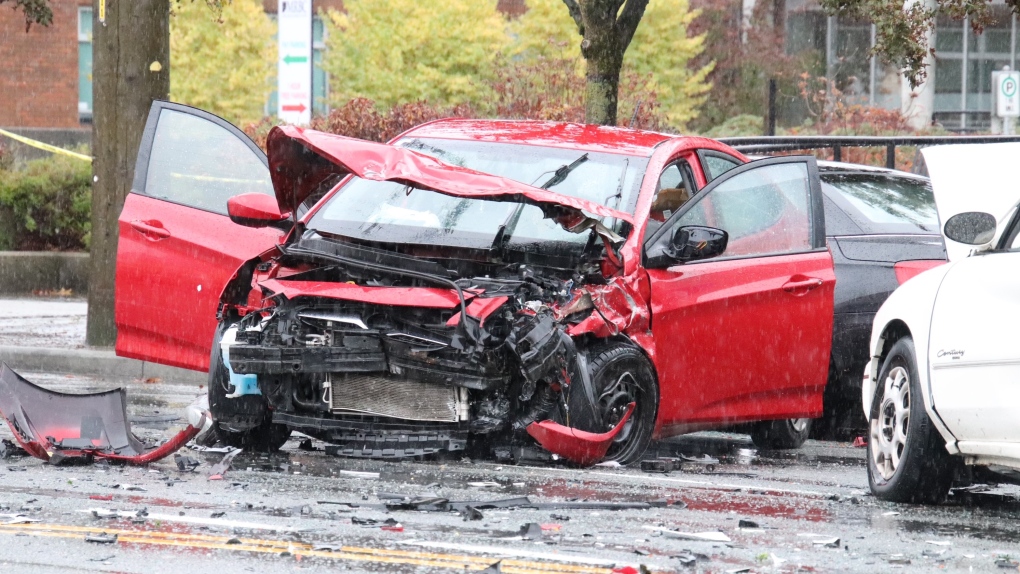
(477, 283)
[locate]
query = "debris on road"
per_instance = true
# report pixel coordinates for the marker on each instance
(221, 467)
(686, 559)
(471, 513)
(660, 465)
(398, 502)
(65, 428)
(10, 450)
(133, 487)
(826, 542)
(101, 538)
(389, 522)
(186, 463)
(21, 519)
(703, 536)
(579, 447)
(358, 474)
(669, 464)
(114, 513)
(1006, 562)
(531, 531)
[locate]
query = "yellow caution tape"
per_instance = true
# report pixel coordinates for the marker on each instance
(194, 177)
(46, 146)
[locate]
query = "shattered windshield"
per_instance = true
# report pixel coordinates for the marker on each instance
(392, 212)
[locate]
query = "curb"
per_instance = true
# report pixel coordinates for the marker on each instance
(93, 362)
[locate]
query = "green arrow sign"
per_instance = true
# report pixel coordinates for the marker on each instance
(295, 59)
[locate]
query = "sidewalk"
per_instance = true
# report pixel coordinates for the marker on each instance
(47, 335)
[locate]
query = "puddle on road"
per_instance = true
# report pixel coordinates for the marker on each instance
(950, 530)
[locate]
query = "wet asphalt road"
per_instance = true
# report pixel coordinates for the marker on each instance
(306, 511)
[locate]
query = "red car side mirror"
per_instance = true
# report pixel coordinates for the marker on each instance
(254, 210)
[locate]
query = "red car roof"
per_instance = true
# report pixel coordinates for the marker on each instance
(583, 137)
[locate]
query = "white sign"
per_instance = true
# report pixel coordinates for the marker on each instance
(1007, 94)
(294, 87)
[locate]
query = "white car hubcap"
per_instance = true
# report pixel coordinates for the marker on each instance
(889, 426)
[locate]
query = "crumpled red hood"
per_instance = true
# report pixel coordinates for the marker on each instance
(300, 159)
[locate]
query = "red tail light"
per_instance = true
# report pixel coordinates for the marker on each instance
(906, 270)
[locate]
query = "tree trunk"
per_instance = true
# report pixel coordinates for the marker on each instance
(131, 68)
(601, 89)
(607, 27)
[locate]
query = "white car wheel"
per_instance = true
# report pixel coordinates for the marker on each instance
(907, 457)
(889, 429)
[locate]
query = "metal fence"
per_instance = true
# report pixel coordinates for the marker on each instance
(774, 144)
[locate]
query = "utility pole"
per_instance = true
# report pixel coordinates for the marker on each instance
(131, 68)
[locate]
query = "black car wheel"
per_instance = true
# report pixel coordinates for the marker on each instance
(907, 457)
(780, 434)
(622, 375)
(240, 422)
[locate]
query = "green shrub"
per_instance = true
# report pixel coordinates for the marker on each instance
(45, 204)
(742, 125)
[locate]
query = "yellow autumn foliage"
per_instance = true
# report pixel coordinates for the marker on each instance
(222, 60)
(661, 50)
(401, 51)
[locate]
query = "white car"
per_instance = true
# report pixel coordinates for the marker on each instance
(942, 387)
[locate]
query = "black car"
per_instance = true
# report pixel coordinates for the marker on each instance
(882, 228)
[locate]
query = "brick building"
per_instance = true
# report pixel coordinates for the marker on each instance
(39, 86)
(45, 76)
(46, 79)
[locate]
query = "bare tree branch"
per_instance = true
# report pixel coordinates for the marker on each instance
(627, 22)
(575, 13)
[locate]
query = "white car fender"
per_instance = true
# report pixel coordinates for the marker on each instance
(912, 305)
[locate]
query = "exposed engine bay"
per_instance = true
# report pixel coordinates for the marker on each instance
(388, 355)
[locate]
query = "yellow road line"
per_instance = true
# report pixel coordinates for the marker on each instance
(354, 553)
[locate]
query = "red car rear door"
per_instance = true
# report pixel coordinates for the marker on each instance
(177, 247)
(746, 335)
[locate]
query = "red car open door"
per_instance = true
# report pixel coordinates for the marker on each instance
(177, 247)
(746, 335)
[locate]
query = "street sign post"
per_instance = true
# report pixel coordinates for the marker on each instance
(294, 87)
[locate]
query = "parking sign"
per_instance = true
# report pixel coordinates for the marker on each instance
(294, 87)
(1007, 93)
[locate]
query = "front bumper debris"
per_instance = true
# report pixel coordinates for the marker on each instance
(59, 427)
(577, 446)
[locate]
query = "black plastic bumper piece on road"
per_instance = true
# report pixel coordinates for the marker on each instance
(404, 446)
(369, 437)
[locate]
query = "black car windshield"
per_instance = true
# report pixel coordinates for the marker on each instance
(887, 202)
(390, 212)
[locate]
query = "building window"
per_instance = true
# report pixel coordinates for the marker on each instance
(320, 80)
(85, 64)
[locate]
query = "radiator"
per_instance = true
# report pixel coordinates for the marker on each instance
(385, 396)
